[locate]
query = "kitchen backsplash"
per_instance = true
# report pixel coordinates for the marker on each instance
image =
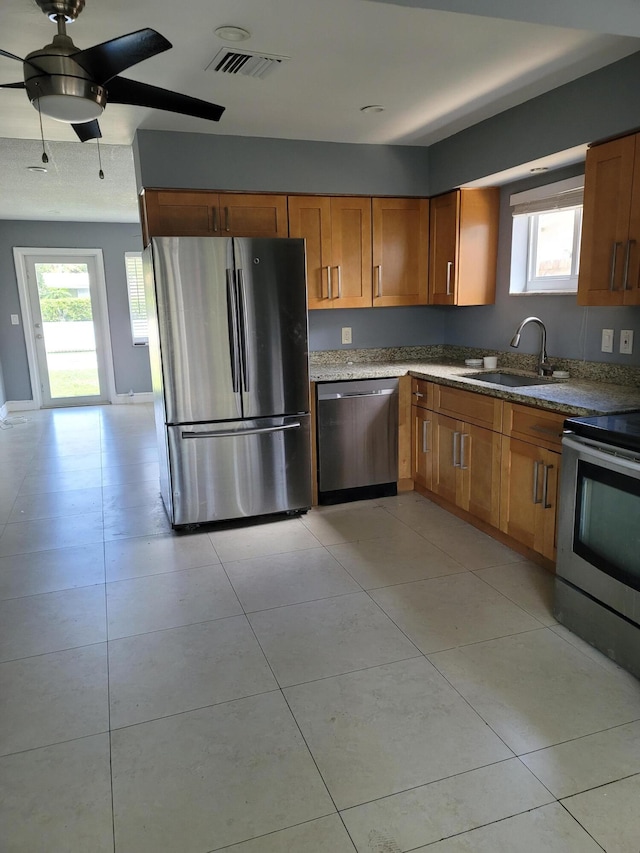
(617, 374)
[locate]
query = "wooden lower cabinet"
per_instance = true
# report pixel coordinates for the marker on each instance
(421, 455)
(529, 495)
(498, 462)
(465, 467)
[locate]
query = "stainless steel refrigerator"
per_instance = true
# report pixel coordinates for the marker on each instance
(229, 363)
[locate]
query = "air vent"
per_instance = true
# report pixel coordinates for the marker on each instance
(234, 61)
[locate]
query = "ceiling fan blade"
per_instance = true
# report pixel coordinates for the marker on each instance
(104, 61)
(87, 130)
(12, 85)
(123, 91)
(10, 55)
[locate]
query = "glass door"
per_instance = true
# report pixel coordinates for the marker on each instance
(67, 329)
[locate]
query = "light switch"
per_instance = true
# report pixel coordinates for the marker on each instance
(607, 340)
(346, 334)
(15, 320)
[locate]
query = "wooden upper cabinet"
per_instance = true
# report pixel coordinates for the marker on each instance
(400, 251)
(351, 252)
(338, 235)
(246, 215)
(610, 248)
(198, 213)
(463, 241)
(310, 218)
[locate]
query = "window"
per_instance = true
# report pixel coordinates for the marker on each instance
(545, 252)
(137, 304)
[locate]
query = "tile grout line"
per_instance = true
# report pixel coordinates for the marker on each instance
(293, 717)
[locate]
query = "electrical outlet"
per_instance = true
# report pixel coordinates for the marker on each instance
(626, 341)
(607, 340)
(15, 320)
(346, 334)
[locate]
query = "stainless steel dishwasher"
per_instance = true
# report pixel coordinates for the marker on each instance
(357, 439)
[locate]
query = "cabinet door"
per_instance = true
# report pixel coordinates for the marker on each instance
(350, 273)
(245, 215)
(631, 294)
(479, 486)
(176, 213)
(445, 456)
(422, 446)
(605, 243)
(400, 251)
(443, 242)
(310, 218)
(529, 488)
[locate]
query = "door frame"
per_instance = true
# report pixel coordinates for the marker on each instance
(20, 254)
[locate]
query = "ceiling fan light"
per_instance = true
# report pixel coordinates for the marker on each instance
(68, 108)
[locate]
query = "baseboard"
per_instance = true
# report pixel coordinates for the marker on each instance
(132, 399)
(20, 405)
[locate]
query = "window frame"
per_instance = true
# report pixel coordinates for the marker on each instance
(527, 207)
(559, 283)
(135, 297)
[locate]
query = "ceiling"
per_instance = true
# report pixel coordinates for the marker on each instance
(434, 67)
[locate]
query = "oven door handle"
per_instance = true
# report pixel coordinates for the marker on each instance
(631, 464)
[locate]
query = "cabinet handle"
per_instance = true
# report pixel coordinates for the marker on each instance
(418, 394)
(226, 219)
(339, 281)
(456, 461)
(625, 283)
(425, 448)
(545, 487)
(449, 266)
(614, 255)
(216, 224)
(536, 470)
(463, 464)
(378, 281)
(329, 284)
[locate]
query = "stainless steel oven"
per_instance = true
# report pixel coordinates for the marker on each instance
(598, 568)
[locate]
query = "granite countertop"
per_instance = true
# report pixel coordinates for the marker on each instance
(573, 397)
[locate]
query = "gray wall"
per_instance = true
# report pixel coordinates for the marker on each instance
(572, 331)
(131, 364)
(603, 103)
(204, 161)
(377, 327)
(3, 396)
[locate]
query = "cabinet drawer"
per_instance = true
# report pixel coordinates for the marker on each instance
(468, 406)
(542, 428)
(422, 393)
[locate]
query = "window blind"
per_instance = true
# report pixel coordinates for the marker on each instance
(137, 304)
(556, 196)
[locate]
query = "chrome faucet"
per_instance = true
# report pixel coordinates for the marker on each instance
(544, 367)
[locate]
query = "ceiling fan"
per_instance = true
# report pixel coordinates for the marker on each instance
(74, 86)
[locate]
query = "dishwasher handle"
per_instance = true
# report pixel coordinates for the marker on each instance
(381, 392)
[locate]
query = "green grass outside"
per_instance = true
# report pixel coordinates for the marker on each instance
(73, 383)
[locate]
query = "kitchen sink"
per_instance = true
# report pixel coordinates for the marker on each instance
(512, 380)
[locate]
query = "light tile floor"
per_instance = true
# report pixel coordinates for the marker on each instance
(375, 677)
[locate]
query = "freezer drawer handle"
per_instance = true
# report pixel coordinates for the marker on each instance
(241, 433)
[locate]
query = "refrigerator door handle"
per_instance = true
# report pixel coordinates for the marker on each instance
(240, 433)
(242, 326)
(232, 316)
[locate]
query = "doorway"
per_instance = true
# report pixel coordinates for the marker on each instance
(63, 301)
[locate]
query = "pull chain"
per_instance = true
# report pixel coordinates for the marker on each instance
(100, 173)
(45, 159)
